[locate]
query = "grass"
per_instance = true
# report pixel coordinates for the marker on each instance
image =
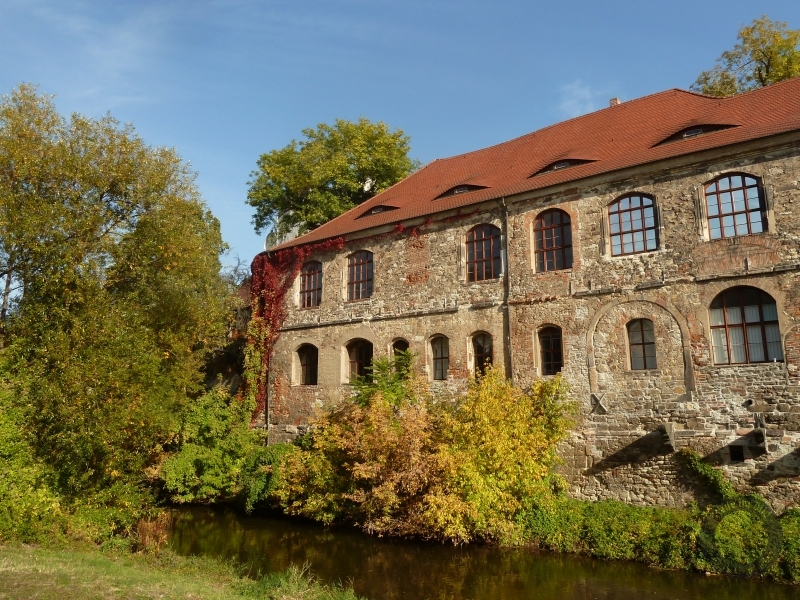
(28, 572)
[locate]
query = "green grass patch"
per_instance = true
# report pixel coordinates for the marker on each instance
(54, 574)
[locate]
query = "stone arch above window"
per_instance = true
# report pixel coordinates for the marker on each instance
(359, 355)
(552, 238)
(482, 352)
(551, 349)
(484, 253)
(735, 206)
(440, 353)
(642, 344)
(744, 327)
(311, 284)
(653, 303)
(308, 358)
(359, 275)
(633, 224)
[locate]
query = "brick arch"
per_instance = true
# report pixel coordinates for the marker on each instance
(688, 369)
(791, 350)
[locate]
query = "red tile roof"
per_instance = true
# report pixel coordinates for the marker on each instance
(613, 138)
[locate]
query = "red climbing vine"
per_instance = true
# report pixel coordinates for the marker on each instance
(273, 274)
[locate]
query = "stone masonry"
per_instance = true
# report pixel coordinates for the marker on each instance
(631, 421)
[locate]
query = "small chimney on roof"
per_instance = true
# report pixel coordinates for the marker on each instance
(614, 102)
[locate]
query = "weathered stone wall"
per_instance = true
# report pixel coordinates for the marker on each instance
(630, 421)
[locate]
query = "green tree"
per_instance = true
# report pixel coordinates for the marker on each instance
(767, 52)
(111, 266)
(333, 169)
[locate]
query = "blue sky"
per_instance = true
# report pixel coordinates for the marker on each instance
(226, 81)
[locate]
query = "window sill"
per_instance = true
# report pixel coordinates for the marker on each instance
(534, 272)
(359, 301)
(610, 256)
(751, 364)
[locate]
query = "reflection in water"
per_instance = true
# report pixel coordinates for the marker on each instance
(388, 569)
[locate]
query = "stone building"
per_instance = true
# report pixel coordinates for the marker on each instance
(647, 251)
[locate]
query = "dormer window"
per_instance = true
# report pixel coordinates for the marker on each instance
(693, 132)
(561, 164)
(463, 188)
(376, 210)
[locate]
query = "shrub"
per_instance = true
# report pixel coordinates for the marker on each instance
(215, 443)
(260, 475)
(742, 537)
(396, 461)
(790, 557)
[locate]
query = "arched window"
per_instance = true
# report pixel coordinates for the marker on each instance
(483, 253)
(550, 349)
(440, 348)
(634, 229)
(482, 348)
(642, 343)
(402, 362)
(308, 356)
(552, 233)
(744, 327)
(735, 206)
(359, 353)
(311, 284)
(399, 345)
(359, 275)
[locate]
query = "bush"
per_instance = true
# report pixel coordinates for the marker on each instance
(260, 475)
(614, 530)
(216, 441)
(396, 461)
(790, 557)
(742, 537)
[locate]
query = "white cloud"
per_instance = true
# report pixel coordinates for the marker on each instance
(578, 98)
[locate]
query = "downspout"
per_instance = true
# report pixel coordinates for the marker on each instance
(506, 295)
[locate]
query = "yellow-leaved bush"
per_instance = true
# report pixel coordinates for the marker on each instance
(397, 460)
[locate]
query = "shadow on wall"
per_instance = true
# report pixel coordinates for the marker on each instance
(784, 467)
(640, 450)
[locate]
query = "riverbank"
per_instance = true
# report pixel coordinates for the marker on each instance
(90, 574)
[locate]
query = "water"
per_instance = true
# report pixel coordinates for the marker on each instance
(383, 569)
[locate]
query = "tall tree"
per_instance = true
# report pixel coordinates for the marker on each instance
(333, 169)
(111, 265)
(767, 52)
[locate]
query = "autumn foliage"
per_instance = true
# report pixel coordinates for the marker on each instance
(400, 461)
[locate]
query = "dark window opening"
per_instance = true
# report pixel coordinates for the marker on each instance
(483, 253)
(552, 232)
(551, 350)
(359, 275)
(734, 205)
(440, 347)
(744, 327)
(402, 359)
(311, 285)
(633, 224)
(309, 361)
(359, 354)
(642, 342)
(484, 356)
(737, 453)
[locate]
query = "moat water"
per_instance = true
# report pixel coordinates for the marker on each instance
(382, 569)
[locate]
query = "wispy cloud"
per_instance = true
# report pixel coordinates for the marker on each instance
(101, 48)
(579, 98)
